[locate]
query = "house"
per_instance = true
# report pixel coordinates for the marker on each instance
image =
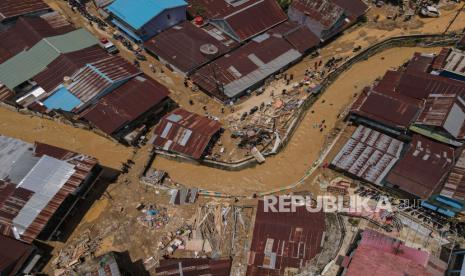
(301, 38)
(423, 168)
(39, 184)
(246, 68)
(378, 254)
(140, 20)
(12, 9)
(444, 114)
(368, 155)
(283, 240)
(454, 65)
(186, 133)
(136, 101)
(185, 47)
(241, 20)
(323, 17)
(16, 257)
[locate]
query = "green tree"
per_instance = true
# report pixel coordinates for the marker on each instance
(284, 4)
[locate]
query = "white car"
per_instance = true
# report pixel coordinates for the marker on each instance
(108, 46)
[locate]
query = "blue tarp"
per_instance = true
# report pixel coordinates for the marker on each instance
(137, 13)
(62, 99)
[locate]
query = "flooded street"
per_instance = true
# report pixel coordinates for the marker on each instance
(304, 147)
(32, 129)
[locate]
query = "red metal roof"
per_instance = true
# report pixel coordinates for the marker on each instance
(194, 267)
(13, 255)
(238, 64)
(67, 65)
(368, 155)
(180, 46)
(126, 104)
(455, 183)
(421, 85)
(284, 239)
(96, 77)
(297, 35)
(245, 19)
(325, 12)
(440, 60)
(446, 111)
(26, 32)
(184, 132)
(378, 254)
(14, 8)
(5, 93)
(420, 63)
(424, 167)
(13, 198)
(255, 19)
(382, 105)
(353, 8)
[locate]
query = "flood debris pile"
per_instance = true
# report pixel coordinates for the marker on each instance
(153, 217)
(84, 247)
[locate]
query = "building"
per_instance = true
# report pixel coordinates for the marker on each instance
(377, 254)
(368, 155)
(423, 169)
(39, 184)
(244, 69)
(186, 133)
(301, 38)
(322, 17)
(90, 83)
(455, 183)
(12, 9)
(242, 20)
(23, 66)
(185, 47)
(194, 267)
(140, 20)
(444, 114)
(284, 240)
(454, 65)
(16, 257)
(136, 101)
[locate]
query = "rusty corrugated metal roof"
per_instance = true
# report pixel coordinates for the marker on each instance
(421, 85)
(67, 65)
(13, 8)
(440, 60)
(325, 12)
(255, 19)
(186, 133)
(27, 32)
(5, 93)
(194, 267)
(299, 36)
(455, 183)
(369, 155)
(232, 74)
(13, 198)
(13, 255)
(424, 167)
(353, 8)
(126, 104)
(284, 240)
(96, 77)
(180, 46)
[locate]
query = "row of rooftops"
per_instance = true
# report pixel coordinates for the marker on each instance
(35, 179)
(47, 65)
(238, 44)
(423, 106)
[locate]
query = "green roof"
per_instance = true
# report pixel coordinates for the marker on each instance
(29, 63)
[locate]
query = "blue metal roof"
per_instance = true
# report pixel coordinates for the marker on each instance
(62, 99)
(137, 13)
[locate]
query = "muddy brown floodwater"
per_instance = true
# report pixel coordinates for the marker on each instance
(305, 145)
(31, 129)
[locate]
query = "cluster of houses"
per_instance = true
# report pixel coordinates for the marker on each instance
(410, 131)
(228, 48)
